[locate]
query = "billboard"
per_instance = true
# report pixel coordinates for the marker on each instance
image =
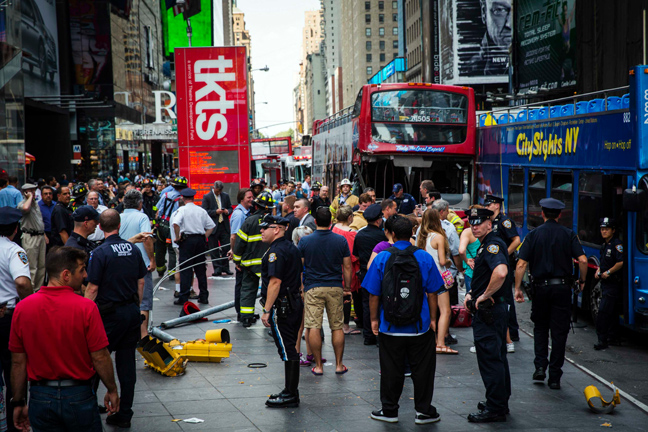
(175, 28)
(212, 111)
(40, 47)
(546, 44)
(475, 39)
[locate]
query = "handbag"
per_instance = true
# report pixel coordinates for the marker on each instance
(460, 317)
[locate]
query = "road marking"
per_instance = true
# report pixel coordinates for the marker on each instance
(642, 406)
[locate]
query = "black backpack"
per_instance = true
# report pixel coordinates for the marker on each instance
(402, 288)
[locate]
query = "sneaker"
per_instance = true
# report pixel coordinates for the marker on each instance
(510, 347)
(381, 416)
(473, 350)
(426, 418)
(311, 358)
(303, 361)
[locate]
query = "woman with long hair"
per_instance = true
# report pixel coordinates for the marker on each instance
(433, 240)
(344, 218)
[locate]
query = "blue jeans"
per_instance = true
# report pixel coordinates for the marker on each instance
(468, 282)
(63, 409)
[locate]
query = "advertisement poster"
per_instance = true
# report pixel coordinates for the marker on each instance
(546, 49)
(40, 47)
(212, 107)
(475, 40)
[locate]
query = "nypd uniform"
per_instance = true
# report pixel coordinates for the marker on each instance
(550, 249)
(13, 264)
(194, 222)
(167, 204)
(611, 254)
(490, 324)
(505, 228)
(116, 267)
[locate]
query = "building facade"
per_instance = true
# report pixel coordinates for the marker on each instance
(331, 50)
(242, 38)
(315, 88)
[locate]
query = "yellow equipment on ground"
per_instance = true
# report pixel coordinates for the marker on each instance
(592, 393)
(170, 358)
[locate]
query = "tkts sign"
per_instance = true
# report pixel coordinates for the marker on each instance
(212, 109)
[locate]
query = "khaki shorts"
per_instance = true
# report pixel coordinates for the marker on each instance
(319, 298)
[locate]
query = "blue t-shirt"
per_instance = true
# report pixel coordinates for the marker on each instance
(323, 253)
(432, 282)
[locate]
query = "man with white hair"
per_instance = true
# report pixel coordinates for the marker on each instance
(94, 199)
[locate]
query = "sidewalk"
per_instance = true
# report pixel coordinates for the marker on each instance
(230, 397)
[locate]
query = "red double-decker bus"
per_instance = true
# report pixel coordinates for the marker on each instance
(400, 133)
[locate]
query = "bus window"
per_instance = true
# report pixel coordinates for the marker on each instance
(537, 191)
(516, 196)
(561, 189)
(358, 105)
(642, 220)
(590, 203)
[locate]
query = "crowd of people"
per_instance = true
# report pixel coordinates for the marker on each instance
(389, 271)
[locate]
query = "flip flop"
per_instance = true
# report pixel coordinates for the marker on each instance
(353, 332)
(446, 350)
(317, 373)
(342, 372)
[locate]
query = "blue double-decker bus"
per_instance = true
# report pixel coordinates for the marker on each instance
(591, 152)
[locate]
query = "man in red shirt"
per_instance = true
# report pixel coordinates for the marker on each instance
(60, 367)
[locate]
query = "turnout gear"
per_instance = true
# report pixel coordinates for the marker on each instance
(180, 181)
(264, 200)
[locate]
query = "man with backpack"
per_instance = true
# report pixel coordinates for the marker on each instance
(399, 282)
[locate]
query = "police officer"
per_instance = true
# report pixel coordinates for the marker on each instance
(86, 219)
(15, 284)
(505, 227)
(487, 301)
(192, 226)
(611, 279)
(247, 254)
(548, 251)
(116, 274)
(283, 307)
(167, 204)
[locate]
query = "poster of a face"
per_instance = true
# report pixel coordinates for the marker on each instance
(475, 39)
(40, 47)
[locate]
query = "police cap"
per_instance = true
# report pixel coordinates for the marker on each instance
(607, 222)
(490, 199)
(397, 187)
(551, 204)
(85, 213)
(373, 212)
(188, 192)
(9, 215)
(274, 220)
(478, 216)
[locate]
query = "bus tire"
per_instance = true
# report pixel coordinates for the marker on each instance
(595, 295)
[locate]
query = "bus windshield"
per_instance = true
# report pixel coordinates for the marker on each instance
(419, 117)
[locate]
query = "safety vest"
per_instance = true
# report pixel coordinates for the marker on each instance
(249, 249)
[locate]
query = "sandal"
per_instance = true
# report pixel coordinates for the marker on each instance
(352, 332)
(446, 350)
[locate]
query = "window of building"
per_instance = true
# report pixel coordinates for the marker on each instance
(395, 55)
(381, 18)
(368, 31)
(368, 45)
(382, 57)
(367, 5)
(394, 5)
(368, 19)
(516, 196)
(395, 31)
(381, 31)
(382, 45)
(395, 44)
(381, 5)
(368, 58)
(369, 70)
(562, 188)
(537, 191)
(395, 17)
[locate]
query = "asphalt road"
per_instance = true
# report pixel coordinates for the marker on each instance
(625, 366)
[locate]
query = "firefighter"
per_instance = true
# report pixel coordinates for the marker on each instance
(247, 254)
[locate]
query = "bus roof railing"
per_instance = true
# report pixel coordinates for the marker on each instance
(571, 100)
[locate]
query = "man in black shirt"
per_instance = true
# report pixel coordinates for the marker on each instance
(283, 307)
(366, 240)
(487, 302)
(320, 196)
(62, 224)
(549, 251)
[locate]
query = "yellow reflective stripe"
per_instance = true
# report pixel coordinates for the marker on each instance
(249, 263)
(258, 274)
(247, 310)
(236, 257)
(242, 235)
(254, 238)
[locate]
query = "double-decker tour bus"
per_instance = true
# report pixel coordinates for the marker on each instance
(591, 152)
(400, 133)
(266, 155)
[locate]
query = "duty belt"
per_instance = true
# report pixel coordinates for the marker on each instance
(61, 383)
(552, 281)
(33, 232)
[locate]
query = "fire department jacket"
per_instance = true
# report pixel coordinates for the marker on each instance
(249, 249)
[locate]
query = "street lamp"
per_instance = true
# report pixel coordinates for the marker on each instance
(264, 69)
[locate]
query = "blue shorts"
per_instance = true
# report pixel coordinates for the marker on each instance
(147, 298)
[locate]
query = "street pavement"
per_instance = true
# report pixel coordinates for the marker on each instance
(230, 396)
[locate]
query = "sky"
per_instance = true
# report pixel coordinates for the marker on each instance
(276, 30)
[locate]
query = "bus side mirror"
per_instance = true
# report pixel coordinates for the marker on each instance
(634, 200)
